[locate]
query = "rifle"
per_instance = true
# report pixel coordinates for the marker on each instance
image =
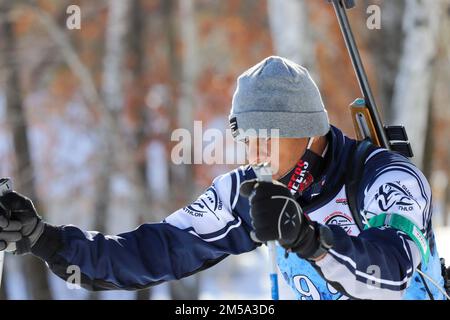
(365, 116)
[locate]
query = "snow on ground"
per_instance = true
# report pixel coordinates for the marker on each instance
(443, 242)
(242, 277)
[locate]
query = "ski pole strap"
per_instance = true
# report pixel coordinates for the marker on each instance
(402, 223)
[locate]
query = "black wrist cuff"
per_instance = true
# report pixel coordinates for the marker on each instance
(326, 241)
(49, 243)
(307, 242)
(314, 242)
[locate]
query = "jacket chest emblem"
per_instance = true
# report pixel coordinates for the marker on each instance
(336, 212)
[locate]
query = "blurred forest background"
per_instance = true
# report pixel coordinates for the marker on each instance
(86, 115)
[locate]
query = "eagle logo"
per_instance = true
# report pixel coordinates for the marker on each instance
(391, 194)
(207, 202)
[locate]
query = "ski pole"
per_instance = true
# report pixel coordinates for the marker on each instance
(5, 187)
(273, 270)
(264, 173)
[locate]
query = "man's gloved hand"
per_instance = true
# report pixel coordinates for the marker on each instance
(276, 215)
(19, 222)
(10, 232)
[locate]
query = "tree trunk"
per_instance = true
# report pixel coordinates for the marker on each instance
(427, 162)
(413, 85)
(444, 109)
(137, 49)
(114, 151)
(291, 31)
(386, 46)
(24, 177)
(446, 202)
(442, 114)
(113, 99)
(182, 83)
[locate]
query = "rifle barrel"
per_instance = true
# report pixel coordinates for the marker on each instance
(360, 71)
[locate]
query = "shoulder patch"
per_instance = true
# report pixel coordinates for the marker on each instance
(399, 189)
(396, 194)
(211, 212)
(208, 202)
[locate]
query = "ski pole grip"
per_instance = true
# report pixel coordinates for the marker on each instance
(263, 172)
(5, 187)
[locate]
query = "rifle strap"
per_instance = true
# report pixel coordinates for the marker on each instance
(355, 167)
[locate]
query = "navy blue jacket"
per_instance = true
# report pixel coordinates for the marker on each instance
(377, 263)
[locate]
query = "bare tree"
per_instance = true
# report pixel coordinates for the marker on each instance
(292, 32)
(113, 98)
(413, 85)
(113, 151)
(386, 46)
(444, 109)
(24, 177)
(182, 87)
(140, 130)
(440, 130)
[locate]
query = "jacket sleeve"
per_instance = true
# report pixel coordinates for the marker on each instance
(190, 240)
(380, 261)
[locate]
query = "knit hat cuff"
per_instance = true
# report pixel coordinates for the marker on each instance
(289, 124)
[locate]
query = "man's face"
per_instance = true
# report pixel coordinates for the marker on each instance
(280, 153)
(259, 149)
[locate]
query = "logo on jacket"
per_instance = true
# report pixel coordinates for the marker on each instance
(391, 194)
(207, 202)
(301, 178)
(340, 219)
(342, 201)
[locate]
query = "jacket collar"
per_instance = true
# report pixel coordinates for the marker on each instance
(339, 147)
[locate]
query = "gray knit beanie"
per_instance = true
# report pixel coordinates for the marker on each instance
(278, 94)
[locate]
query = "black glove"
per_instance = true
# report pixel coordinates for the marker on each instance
(276, 215)
(10, 232)
(20, 224)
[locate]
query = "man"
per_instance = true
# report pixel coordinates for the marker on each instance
(324, 253)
